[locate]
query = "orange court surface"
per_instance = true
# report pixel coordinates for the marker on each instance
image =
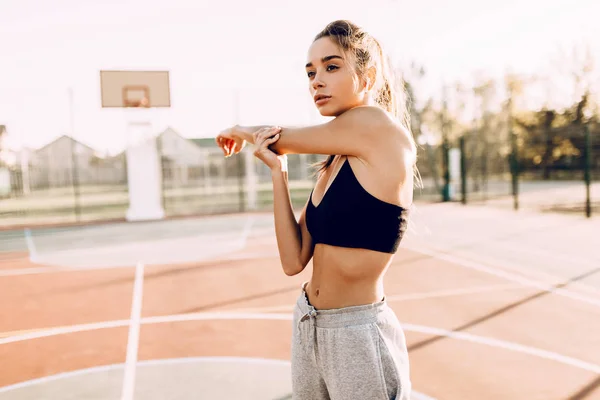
(496, 305)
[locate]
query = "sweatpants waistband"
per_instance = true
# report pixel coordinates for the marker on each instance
(340, 317)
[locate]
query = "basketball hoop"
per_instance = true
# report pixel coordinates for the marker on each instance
(141, 103)
(144, 102)
(142, 91)
(136, 96)
(135, 89)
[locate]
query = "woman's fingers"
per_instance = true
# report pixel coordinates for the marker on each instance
(266, 141)
(221, 145)
(234, 147)
(273, 139)
(262, 138)
(224, 145)
(230, 146)
(263, 133)
(266, 133)
(262, 147)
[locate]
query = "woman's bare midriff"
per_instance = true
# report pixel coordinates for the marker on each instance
(344, 277)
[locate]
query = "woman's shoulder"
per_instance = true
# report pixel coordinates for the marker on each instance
(375, 116)
(368, 114)
(387, 126)
(383, 128)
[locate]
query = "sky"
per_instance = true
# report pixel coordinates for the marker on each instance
(256, 49)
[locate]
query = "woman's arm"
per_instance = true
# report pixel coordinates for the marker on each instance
(361, 132)
(293, 239)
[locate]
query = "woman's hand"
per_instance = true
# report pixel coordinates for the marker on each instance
(230, 141)
(263, 138)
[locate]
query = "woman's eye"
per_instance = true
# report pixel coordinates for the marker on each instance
(311, 74)
(331, 67)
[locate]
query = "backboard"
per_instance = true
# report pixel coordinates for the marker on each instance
(122, 89)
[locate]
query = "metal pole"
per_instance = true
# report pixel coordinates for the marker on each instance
(587, 176)
(445, 150)
(514, 166)
(74, 171)
(163, 189)
(514, 158)
(463, 170)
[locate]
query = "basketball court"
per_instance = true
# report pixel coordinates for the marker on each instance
(496, 304)
(200, 308)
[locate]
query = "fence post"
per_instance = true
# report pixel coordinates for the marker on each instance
(445, 149)
(587, 166)
(513, 157)
(241, 177)
(514, 169)
(463, 170)
(74, 166)
(75, 179)
(161, 163)
(446, 169)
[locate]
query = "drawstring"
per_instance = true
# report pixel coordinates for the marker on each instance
(311, 331)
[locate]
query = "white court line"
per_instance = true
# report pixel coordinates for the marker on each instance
(235, 245)
(152, 363)
(512, 346)
(507, 275)
(56, 377)
(134, 334)
(549, 355)
(414, 395)
(502, 344)
(544, 253)
(454, 292)
(401, 297)
(285, 308)
(254, 310)
(507, 265)
(247, 229)
(30, 245)
(164, 362)
(29, 271)
(208, 360)
(63, 330)
(55, 269)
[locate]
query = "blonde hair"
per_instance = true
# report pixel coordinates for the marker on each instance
(366, 52)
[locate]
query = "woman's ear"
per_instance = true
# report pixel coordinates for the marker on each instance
(370, 78)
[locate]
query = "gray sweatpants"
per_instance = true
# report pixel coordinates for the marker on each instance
(348, 353)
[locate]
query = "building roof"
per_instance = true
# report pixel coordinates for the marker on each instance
(200, 142)
(204, 142)
(68, 138)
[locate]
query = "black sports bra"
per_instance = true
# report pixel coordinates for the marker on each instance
(349, 216)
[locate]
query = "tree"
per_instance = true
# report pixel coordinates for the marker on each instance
(572, 78)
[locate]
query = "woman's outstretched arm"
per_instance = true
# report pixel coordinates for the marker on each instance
(362, 132)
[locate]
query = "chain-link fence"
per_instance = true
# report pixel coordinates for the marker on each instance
(206, 183)
(555, 170)
(63, 195)
(549, 174)
(236, 184)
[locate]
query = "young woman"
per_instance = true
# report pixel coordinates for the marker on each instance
(347, 343)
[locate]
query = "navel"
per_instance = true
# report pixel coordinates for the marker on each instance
(317, 292)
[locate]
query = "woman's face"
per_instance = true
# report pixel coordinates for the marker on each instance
(332, 79)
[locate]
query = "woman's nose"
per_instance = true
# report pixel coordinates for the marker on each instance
(317, 82)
